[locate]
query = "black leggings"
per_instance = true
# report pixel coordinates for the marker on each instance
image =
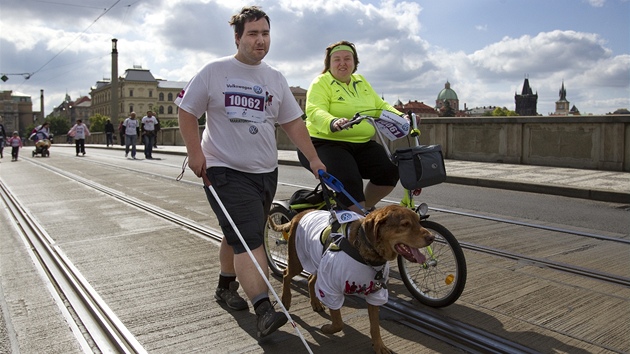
(351, 163)
(80, 145)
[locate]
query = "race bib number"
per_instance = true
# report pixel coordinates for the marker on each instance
(392, 126)
(245, 100)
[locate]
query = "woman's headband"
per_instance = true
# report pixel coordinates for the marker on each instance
(341, 47)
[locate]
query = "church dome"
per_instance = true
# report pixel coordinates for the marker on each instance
(447, 93)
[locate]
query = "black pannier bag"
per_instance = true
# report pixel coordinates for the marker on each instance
(420, 166)
(307, 196)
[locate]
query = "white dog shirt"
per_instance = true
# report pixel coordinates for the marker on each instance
(338, 274)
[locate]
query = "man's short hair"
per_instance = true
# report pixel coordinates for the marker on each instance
(247, 14)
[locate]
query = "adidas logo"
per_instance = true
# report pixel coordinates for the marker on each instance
(340, 99)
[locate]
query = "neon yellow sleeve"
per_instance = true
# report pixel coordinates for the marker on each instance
(328, 99)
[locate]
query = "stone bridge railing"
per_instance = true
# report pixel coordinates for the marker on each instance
(593, 142)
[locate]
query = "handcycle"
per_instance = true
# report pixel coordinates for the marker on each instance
(437, 282)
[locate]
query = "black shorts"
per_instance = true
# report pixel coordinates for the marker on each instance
(247, 197)
(351, 163)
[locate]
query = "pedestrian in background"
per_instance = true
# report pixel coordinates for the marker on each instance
(148, 134)
(131, 134)
(3, 138)
(243, 99)
(16, 144)
(157, 129)
(79, 132)
(109, 133)
(121, 133)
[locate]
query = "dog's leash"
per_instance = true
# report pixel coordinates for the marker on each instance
(262, 273)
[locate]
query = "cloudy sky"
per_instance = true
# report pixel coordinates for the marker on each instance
(408, 49)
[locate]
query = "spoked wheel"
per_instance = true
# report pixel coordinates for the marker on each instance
(440, 280)
(276, 242)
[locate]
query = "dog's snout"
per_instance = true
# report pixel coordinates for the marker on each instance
(428, 236)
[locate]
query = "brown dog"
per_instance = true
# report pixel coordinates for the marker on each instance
(359, 265)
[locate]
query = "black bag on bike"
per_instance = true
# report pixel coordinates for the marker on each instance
(307, 196)
(420, 166)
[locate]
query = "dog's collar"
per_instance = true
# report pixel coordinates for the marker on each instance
(344, 245)
(364, 238)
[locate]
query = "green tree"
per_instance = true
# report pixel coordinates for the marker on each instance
(97, 122)
(58, 125)
(503, 112)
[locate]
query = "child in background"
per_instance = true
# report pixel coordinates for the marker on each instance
(16, 143)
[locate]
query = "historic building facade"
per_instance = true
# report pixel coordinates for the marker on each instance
(80, 108)
(419, 108)
(527, 101)
(139, 91)
(447, 97)
(16, 110)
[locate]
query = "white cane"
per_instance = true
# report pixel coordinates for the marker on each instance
(262, 273)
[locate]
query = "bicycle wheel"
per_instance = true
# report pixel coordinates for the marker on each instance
(276, 242)
(440, 280)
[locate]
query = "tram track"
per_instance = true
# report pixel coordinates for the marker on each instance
(451, 331)
(96, 327)
(536, 261)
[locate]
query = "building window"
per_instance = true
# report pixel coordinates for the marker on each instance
(150, 93)
(161, 109)
(170, 97)
(170, 109)
(130, 108)
(130, 93)
(161, 96)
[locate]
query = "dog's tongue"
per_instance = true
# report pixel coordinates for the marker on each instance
(419, 256)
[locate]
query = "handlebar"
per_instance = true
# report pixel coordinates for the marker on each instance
(358, 118)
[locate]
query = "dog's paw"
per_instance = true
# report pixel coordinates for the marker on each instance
(330, 329)
(317, 306)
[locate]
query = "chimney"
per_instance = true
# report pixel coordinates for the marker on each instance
(41, 104)
(114, 84)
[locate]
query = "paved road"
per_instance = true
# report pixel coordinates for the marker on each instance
(607, 186)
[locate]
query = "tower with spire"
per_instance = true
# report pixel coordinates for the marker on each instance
(527, 101)
(562, 105)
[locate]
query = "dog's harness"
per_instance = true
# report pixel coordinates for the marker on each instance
(335, 238)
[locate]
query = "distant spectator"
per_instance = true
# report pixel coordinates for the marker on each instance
(121, 133)
(41, 136)
(109, 133)
(3, 138)
(79, 132)
(157, 129)
(16, 143)
(131, 134)
(148, 134)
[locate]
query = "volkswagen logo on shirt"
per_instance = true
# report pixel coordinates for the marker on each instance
(253, 129)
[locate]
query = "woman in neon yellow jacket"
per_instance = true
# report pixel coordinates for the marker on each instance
(350, 155)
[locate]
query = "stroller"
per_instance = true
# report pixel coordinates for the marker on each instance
(42, 143)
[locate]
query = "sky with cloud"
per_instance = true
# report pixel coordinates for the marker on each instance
(408, 49)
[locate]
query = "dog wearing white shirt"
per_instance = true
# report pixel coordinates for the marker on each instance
(350, 258)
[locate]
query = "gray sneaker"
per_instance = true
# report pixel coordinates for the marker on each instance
(231, 297)
(268, 319)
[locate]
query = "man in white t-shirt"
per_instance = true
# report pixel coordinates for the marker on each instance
(148, 134)
(243, 99)
(131, 134)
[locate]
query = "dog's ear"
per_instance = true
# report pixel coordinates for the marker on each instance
(373, 224)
